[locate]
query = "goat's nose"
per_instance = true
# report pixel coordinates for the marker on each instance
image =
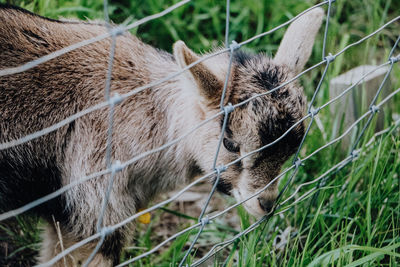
(266, 204)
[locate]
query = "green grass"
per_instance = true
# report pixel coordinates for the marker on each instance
(351, 220)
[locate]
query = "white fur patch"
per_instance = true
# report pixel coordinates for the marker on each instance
(242, 192)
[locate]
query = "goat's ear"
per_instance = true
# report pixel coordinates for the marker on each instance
(208, 83)
(296, 45)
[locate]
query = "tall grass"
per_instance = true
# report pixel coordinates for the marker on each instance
(353, 219)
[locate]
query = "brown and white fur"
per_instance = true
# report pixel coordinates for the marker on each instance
(52, 91)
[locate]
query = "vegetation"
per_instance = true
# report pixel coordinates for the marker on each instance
(353, 218)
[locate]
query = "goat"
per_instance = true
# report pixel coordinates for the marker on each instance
(48, 93)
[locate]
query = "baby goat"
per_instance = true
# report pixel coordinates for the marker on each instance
(52, 91)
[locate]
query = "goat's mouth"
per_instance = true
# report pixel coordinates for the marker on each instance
(251, 205)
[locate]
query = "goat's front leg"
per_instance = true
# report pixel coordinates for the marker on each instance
(56, 239)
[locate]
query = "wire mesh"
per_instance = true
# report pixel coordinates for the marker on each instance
(113, 165)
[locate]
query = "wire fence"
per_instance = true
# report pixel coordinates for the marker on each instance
(113, 166)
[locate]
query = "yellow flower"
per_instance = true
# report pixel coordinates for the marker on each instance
(144, 218)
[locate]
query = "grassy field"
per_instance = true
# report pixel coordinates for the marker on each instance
(353, 218)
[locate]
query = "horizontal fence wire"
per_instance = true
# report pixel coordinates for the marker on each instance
(113, 165)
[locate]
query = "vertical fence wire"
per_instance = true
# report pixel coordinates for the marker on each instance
(372, 105)
(108, 155)
(228, 109)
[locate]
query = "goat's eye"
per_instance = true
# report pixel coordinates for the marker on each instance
(231, 146)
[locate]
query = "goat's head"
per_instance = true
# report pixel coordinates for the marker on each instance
(262, 120)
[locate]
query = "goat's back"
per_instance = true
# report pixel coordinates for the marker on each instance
(52, 91)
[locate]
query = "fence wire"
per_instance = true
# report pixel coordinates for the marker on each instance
(113, 166)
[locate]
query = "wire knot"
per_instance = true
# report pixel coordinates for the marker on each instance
(394, 59)
(105, 231)
(228, 109)
(297, 163)
(116, 99)
(116, 167)
(329, 58)
(234, 46)
(313, 111)
(354, 154)
(116, 31)
(374, 109)
(204, 221)
(220, 169)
